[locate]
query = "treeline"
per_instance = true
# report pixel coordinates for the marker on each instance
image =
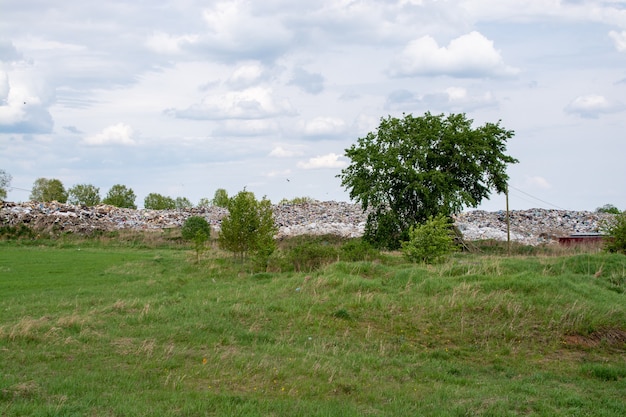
(46, 190)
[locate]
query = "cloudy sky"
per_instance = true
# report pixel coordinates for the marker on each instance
(184, 97)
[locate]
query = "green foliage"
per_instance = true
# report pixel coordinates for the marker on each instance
(46, 190)
(120, 196)
(5, 183)
(355, 250)
(154, 201)
(616, 229)
(297, 200)
(183, 203)
(204, 202)
(220, 199)
(608, 208)
(84, 194)
(249, 227)
(412, 168)
(311, 255)
(194, 225)
(429, 242)
(20, 231)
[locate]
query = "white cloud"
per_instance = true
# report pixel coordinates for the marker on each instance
(324, 127)
(252, 127)
(164, 43)
(280, 152)
(471, 55)
(251, 103)
(592, 106)
(119, 134)
(24, 101)
(619, 39)
(325, 161)
(246, 75)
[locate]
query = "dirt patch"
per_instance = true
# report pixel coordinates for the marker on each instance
(614, 338)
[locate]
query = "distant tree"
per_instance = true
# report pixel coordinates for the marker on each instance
(412, 168)
(220, 199)
(183, 203)
(204, 202)
(84, 194)
(45, 190)
(154, 201)
(608, 208)
(5, 183)
(249, 227)
(120, 196)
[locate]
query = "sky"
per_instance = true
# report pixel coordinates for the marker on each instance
(184, 97)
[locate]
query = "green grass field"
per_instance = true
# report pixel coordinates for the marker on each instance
(104, 329)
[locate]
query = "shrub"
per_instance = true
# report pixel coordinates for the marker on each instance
(309, 256)
(193, 225)
(356, 250)
(616, 229)
(430, 242)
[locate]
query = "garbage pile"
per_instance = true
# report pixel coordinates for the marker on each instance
(535, 226)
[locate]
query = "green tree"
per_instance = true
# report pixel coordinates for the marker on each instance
(183, 203)
(84, 194)
(220, 199)
(204, 202)
(412, 168)
(431, 241)
(616, 230)
(608, 208)
(197, 230)
(45, 189)
(249, 227)
(154, 201)
(5, 183)
(120, 196)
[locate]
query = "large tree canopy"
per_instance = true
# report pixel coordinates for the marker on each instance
(45, 190)
(412, 168)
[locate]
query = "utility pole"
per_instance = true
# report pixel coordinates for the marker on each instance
(508, 224)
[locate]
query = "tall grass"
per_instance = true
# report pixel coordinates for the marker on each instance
(105, 328)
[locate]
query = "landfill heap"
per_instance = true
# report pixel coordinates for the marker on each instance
(533, 227)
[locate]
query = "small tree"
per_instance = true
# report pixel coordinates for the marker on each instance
(45, 190)
(608, 208)
(220, 199)
(5, 182)
(429, 242)
(249, 227)
(197, 230)
(204, 202)
(154, 201)
(120, 196)
(616, 230)
(183, 203)
(84, 194)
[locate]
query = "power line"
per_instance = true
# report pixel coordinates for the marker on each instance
(536, 198)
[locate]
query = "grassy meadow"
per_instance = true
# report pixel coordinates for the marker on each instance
(132, 328)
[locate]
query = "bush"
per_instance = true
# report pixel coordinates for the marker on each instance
(309, 256)
(430, 242)
(608, 208)
(20, 231)
(356, 250)
(616, 229)
(194, 225)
